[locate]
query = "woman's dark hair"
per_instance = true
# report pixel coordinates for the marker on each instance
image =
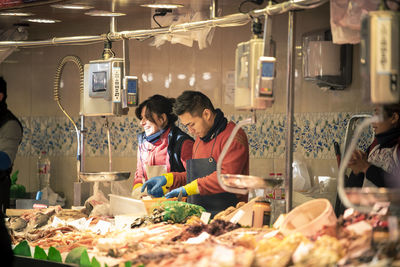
(158, 105)
(193, 102)
(391, 109)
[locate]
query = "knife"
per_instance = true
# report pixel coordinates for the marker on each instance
(337, 152)
(180, 196)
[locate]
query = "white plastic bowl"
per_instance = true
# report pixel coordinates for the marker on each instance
(309, 218)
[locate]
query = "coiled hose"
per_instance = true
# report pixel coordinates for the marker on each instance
(57, 78)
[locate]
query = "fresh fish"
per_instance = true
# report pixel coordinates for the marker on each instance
(41, 219)
(18, 224)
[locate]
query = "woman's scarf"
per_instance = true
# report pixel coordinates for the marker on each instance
(153, 138)
(389, 138)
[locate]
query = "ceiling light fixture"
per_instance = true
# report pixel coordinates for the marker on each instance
(72, 6)
(103, 13)
(166, 6)
(17, 14)
(48, 21)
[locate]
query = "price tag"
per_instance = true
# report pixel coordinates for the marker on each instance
(102, 227)
(78, 224)
(347, 213)
(205, 217)
(87, 223)
(239, 214)
(198, 239)
(380, 208)
(57, 222)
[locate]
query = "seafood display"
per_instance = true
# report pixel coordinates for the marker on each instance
(174, 235)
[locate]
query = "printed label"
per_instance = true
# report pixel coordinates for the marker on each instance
(44, 168)
(384, 41)
(116, 83)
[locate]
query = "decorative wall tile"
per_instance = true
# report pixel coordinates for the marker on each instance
(313, 135)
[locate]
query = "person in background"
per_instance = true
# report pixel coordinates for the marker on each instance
(200, 182)
(10, 138)
(379, 165)
(6, 253)
(162, 147)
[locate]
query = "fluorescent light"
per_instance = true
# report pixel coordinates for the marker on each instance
(167, 6)
(103, 13)
(43, 20)
(17, 14)
(71, 6)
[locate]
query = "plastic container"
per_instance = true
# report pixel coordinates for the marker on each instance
(125, 205)
(261, 213)
(153, 203)
(276, 193)
(43, 170)
(309, 218)
(278, 207)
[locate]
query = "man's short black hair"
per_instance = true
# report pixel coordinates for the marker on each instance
(193, 102)
(3, 88)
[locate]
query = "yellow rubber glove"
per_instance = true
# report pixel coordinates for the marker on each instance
(192, 188)
(136, 191)
(170, 180)
(137, 185)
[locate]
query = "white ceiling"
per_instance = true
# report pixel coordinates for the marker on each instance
(75, 22)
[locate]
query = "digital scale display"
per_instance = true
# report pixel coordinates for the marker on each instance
(267, 69)
(267, 76)
(131, 85)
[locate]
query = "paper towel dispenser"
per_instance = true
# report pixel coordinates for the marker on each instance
(327, 64)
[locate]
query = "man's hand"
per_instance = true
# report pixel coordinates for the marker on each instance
(154, 186)
(175, 192)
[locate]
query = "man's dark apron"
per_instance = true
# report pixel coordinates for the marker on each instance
(197, 168)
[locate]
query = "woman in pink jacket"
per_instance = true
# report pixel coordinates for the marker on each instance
(162, 147)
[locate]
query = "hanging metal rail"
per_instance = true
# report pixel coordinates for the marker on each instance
(225, 21)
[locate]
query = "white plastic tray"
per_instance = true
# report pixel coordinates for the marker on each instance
(125, 205)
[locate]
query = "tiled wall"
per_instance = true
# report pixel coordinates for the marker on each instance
(314, 134)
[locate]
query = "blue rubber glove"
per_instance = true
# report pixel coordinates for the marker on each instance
(175, 192)
(155, 186)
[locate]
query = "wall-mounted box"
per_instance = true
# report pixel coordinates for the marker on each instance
(327, 64)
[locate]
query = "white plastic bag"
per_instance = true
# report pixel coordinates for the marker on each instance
(346, 19)
(301, 178)
(203, 36)
(97, 204)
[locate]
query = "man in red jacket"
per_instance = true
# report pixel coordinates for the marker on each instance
(200, 182)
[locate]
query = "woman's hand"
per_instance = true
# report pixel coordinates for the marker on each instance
(155, 186)
(359, 162)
